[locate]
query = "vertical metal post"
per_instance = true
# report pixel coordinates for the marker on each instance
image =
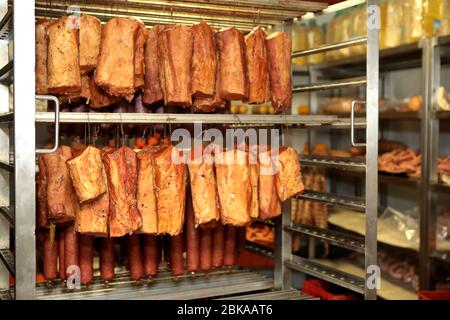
(372, 66)
(283, 239)
(5, 176)
(430, 149)
(24, 139)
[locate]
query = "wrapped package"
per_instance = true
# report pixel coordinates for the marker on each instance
(431, 15)
(279, 56)
(392, 28)
(329, 39)
(121, 173)
(61, 200)
(41, 55)
(358, 28)
(288, 179)
(42, 194)
(87, 174)
(343, 34)
(445, 18)
(411, 15)
(233, 83)
(257, 69)
(92, 217)
(233, 186)
(139, 65)
(204, 61)
(90, 36)
(115, 67)
(315, 37)
(174, 56)
(299, 42)
(63, 69)
(146, 198)
(203, 186)
(269, 203)
(152, 87)
(170, 181)
(98, 97)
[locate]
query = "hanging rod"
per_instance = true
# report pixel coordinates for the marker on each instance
(330, 47)
(354, 82)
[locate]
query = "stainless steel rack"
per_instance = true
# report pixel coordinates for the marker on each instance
(433, 58)
(245, 15)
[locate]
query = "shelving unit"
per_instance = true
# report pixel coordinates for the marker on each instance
(224, 282)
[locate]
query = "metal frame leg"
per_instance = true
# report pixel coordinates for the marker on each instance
(24, 137)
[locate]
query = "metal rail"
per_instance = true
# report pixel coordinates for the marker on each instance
(354, 164)
(353, 203)
(8, 215)
(330, 47)
(6, 25)
(336, 238)
(175, 118)
(6, 74)
(217, 284)
(291, 294)
(259, 249)
(440, 187)
(7, 117)
(317, 270)
(7, 166)
(354, 82)
(8, 260)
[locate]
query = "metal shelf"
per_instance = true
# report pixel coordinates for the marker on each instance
(443, 256)
(334, 200)
(440, 187)
(443, 115)
(5, 295)
(176, 118)
(8, 259)
(6, 25)
(259, 249)
(317, 270)
(401, 57)
(221, 13)
(217, 284)
(291, 294)
(399, 115)
(6, 117)
(8, 215)
(354, 164)
(336, 238)
(330, 47)
(269, 223)
(7, 166)
(398, 180)
(6, 73)
(346, 83)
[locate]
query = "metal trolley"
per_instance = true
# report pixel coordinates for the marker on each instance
(19, 213)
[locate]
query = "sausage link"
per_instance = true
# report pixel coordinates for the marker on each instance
(166, 248)
(152, 254)
(176, 255)
(240, 240)
(135, 257)
(61, 262)
(230, 245)
(86, 259)
(71, 254)
(205, 249)
(107, 259)
(217, 246)
(192, 238)
(50, 257)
